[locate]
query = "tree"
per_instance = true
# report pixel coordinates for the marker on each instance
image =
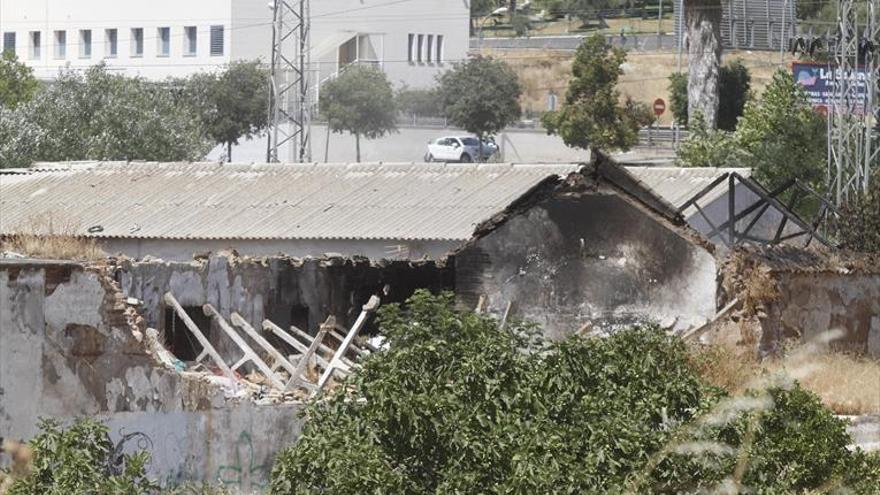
(422, 102)
(232, 104)
(591, 116)
(783, 136)
(96, 115)
(17, 81)
(859, 228)
(361, 102)
(703, 18)
(734, 88)
(779, 136)
(481, 96)
(457, 404)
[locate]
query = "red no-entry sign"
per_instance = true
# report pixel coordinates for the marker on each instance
(659, 107)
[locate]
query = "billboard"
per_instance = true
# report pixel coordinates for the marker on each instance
(819, 81)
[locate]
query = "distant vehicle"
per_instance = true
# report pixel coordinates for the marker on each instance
(459, 149)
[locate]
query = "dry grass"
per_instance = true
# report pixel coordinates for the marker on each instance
(645, 78)
(51, 237)
(847, 384)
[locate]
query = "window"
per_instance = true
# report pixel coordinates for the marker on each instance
(419, 47)
(111, 43)
(411, 45)
(429, 51)
(137, 42)
(216, 40)
(439, 56)
(85, 43)
(36, 45)
(190, 41)
(60, 44)
(163, 35)
(9, 42)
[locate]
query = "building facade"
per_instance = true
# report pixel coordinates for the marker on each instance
(411, 41)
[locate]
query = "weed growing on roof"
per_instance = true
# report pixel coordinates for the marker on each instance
(459, 405)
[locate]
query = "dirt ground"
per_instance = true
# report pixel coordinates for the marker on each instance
(645, 78)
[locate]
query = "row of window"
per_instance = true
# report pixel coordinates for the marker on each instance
(425, 48)
(111, 42)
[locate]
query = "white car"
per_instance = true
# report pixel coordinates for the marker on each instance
(459, 149)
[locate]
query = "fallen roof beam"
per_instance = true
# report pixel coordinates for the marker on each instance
(313, 347)
(240, 322)
(207, 348)
(249, 354)
(336, 362)
(291, 341)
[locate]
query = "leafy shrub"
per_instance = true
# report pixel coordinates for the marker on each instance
(860, 221)
(459, 405)
(82, 460)
(706, 147)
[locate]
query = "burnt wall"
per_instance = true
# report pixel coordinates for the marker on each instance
(287, 291)
(594, 258)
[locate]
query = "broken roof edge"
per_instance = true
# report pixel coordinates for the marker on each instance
(600, 168)
(327, 259)
(80, 165)
(815, 259)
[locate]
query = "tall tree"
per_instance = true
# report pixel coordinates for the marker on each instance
(481, 96)
(361, 102)
(95, 115)
(17, 81)
(592, 116)
(703, 18)
(734, 91)
(232, 104)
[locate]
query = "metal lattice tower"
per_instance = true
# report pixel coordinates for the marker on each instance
(289, 106)
(852, 154)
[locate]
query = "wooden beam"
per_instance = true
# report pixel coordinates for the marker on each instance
(336, 361)
(291, 340)
(207, 348)
(249, 354)
(240, 322)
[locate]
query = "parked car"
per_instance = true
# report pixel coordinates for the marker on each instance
(459, 149)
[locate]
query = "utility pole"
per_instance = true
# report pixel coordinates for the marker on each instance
(290, 107)
(851, 153)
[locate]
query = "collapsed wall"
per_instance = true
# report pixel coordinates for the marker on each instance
(71, 346)
(785, 293)
(286, 291)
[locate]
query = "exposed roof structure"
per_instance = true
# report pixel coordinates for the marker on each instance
(267, 201)
(677, 185)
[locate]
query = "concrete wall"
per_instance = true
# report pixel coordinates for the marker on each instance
(184, 249)
(68, 349)
(276, 288)
(25, 16)
(597, 258)
(248, 33)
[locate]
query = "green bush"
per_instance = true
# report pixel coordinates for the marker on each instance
(860, 221)
(82, 460)
(459, 405)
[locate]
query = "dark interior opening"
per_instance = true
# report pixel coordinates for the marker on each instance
(182, 343)
(299, 317)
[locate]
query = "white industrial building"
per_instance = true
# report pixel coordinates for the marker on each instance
(411, 40)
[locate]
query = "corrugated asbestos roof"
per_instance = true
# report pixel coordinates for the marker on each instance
(267, 201)
(291, 201)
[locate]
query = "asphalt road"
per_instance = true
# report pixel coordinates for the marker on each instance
(641, 42)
